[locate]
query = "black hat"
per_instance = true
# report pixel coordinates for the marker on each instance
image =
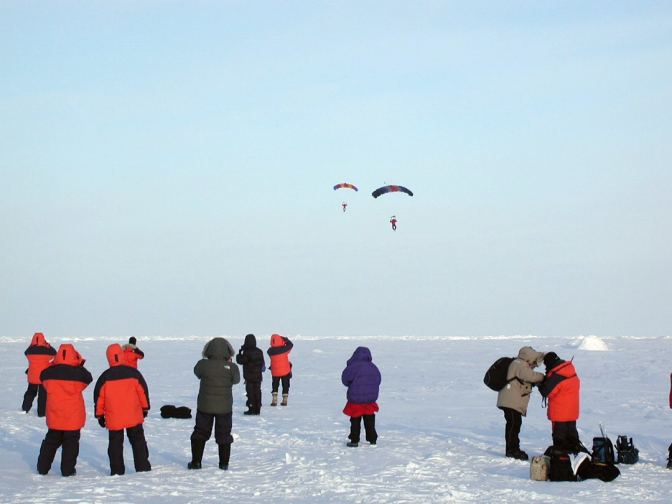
(132, 340)
(551, 360)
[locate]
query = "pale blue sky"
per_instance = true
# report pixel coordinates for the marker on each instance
(167, 167)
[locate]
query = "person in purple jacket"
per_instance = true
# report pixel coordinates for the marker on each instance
(362, 378)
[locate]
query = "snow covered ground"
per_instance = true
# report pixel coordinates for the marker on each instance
(441, 437)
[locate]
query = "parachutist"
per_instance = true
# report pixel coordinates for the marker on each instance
(393, 221)
(344, 205)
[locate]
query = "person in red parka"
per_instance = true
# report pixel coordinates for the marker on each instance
(39, 355)
(561, 388)
(121, 401)
(64, 381)
(132, 353)
(281, 368)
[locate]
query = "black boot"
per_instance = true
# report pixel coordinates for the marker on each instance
(224, 456)
(197, 448)
(669, 457)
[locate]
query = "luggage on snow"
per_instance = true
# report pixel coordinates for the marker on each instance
(627, 453)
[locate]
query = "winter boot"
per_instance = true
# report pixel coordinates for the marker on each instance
(284, 399)
(249, 411)
(352, 445)
(517, 454)
(197, 447)
(224, 456)
(669, 457)
(274, 402)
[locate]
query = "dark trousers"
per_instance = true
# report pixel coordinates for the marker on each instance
(566, 436)
(285, 384)
(32, 391)
(369, 428)
(253, 390)
(203, 427)
(514, 420)
(54, 439)
(115, 450)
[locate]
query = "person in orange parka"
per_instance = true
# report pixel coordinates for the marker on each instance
(64, 381)
(561, 388)
(132, 353)
(39, 355)
(121, 402)
(281, 368)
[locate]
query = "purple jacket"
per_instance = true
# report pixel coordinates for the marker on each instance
(362, 377)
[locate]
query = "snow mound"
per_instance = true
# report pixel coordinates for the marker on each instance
(593, 344)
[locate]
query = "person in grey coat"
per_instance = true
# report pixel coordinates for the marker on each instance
(218, 373)
(515, 396)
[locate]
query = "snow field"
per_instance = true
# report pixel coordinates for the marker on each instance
(441, 437)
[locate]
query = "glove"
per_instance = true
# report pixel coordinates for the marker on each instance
(101, 421)
(144, 413)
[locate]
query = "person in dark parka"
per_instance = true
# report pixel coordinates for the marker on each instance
(121, 401)
(362, 378)
(218, 374)
(39, 355)
(252, 360)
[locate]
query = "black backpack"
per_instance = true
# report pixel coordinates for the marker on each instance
(603, 450)
(560, 465)
(495, 376)
(627, 453)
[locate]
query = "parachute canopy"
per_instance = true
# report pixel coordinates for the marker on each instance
(345, 185)
(390, 188)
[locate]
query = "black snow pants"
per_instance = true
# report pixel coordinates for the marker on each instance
(253, 390)
(32, 391)
(54, 439)
(285, 383)
(566, 436)
(203, 428)
(369, 428)
(115, 450)
(514, 420)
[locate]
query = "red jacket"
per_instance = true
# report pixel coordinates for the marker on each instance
(279, 353)
(562, 388)
(64, 381)
(132, 354)
(39, 355)
(120, 394)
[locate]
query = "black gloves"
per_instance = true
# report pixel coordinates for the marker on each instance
(144, 413)
(101, 421)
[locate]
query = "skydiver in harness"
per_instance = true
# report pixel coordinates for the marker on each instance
(393, 221)
(344, 205)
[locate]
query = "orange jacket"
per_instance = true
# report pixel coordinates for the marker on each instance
(563, 389)
(64, 381)
(279, 353)
(120, 394)
(39, 355)
(132, 354)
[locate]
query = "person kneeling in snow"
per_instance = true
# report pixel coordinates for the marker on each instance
(561, 388)
(217, 374)
(514, 398)
(362, 378)
(121, 401)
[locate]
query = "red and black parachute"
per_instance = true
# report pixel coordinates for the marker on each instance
(390, 188)
(345, 185)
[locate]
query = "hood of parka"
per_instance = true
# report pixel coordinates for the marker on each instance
(68, 355)
(115, 355)
(250, 341)
(218, 349)
(39, 340)
(531, 356)
(276, 340)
